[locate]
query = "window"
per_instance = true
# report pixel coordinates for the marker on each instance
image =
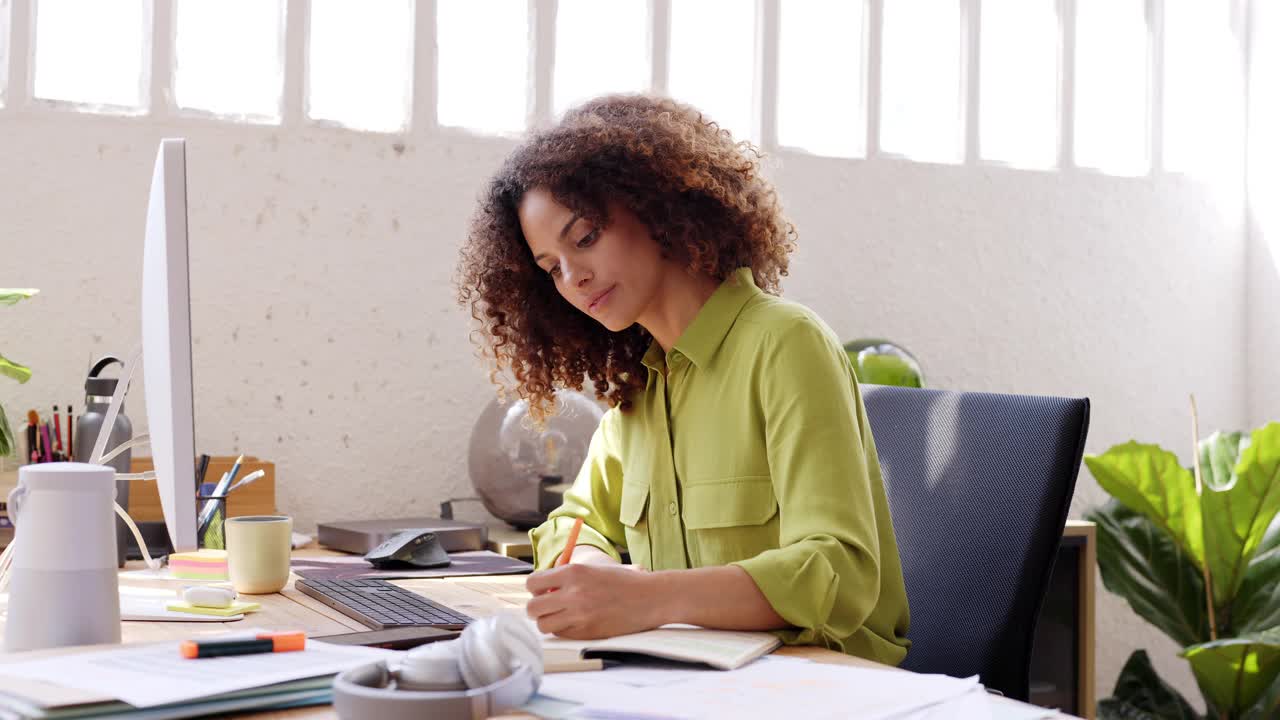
(245, 83)
(360, 61)
(821, 77)
(1112, 80)
(1203, 90)
(483, 48)
(4, 50)
(1018, 110)
(92, 53)
(601, 47)
(713, 54)
(1264, 124)
(921, 80)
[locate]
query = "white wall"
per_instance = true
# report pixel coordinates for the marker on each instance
(327, 337)
(1263, 349)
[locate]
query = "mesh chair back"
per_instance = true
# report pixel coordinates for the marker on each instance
(979, 486)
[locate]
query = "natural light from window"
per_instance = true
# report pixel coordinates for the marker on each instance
(601, 47)
(920, 88)
(712, 60)
(1264, 125)
(244, 84)
(819, 42)
(483, 50)
(1203, 91)
(1112, 86)
(4, 51)
(360, 63)
(1018, 108)
(92, 53)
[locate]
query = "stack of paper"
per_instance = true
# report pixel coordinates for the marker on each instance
(155, 682)
(767, 688)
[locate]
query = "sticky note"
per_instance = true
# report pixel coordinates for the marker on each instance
(237, 607)
(199, 565)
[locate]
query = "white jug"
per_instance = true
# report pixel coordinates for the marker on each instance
(63, 587)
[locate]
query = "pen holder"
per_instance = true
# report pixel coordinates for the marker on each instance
(211, 536)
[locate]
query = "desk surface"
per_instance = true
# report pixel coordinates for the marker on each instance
(476, 596)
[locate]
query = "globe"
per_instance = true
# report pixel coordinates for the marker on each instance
(521, 471)
(881, 362)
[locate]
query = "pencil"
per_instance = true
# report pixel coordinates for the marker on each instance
(567, 555)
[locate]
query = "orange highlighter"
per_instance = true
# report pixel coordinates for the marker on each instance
(573, 540)
(247, 645)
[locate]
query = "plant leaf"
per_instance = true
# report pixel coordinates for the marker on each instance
(10, 296)
(1219, 454)
(1257, 604)
(1149, 479)
(6, 435)
(1234, 672)
(1142, 564)
(1141, 694)
(21, 373)
(1236, 518)
(1268, 705)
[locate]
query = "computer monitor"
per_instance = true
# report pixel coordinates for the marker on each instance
(166, 344)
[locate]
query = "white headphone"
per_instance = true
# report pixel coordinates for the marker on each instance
(495, 666)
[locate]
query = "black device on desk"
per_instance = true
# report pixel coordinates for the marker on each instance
(380, 605)
(414, 548)
(400, 638)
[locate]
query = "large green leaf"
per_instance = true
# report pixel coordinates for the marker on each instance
(1219, 454)
(17, 372)
(1140, 694)
(1234, 672)
(6, 435)
(1143, 565)
(9, 296)
(1235, 518)
(1257, 604)
(1150, 480)
(1267, 706)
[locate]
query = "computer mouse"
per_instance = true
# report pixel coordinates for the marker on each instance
(411, 548)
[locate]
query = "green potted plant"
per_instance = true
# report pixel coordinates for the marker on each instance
(18, 372)
(884, 362)
(1196, 552)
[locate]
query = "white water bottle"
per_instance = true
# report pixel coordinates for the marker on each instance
(63, 587)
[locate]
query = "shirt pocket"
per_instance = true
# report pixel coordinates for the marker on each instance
(731, 519)
(635, 496)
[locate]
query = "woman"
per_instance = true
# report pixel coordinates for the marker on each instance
(636, 245)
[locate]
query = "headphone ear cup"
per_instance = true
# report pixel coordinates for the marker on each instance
(431, 667)
(493, 648)
(480, 659)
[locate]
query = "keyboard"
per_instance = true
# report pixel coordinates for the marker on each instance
(380, 605)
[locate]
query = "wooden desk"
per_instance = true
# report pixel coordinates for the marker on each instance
(476, 596)
(1062, 671)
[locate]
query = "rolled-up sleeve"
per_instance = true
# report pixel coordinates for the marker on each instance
(595, 496)
(824, 578)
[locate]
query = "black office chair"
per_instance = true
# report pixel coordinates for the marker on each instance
(979, 486)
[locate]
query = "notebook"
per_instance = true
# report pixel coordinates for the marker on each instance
(721, 649)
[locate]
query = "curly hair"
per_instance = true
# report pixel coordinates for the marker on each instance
(699, 193)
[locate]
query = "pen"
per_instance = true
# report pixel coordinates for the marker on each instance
(201, 470)
(573, 541)
(211, 505)
(71, 441)
(261, 643)
(57, 429)
(246, 480)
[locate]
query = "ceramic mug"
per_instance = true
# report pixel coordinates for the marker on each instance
(258, 549)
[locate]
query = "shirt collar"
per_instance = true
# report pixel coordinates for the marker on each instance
(710, 326)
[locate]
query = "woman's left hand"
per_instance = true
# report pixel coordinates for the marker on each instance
(591, 601)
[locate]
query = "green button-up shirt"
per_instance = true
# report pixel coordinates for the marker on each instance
(750, 445)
